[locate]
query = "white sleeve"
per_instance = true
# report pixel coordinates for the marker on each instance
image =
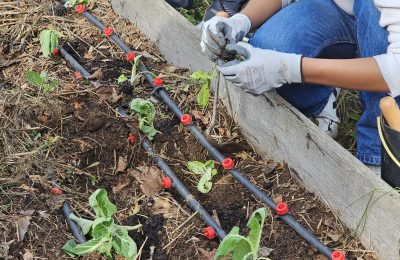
(287, 2)
(389, 63)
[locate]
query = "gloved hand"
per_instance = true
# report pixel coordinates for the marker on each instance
(220, 31)
(262, 70)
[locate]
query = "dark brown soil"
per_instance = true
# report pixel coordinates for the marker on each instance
(90, 140)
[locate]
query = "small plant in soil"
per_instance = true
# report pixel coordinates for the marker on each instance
(147, 112)
(106, 235)
(72, 3)
(125, 84)
(206, 170)
(41, 80)
(203, 80)
(238, 247)
(48, 41)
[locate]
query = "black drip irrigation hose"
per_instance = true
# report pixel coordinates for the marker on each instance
(75, 229)
(159, 91)
(176, 183)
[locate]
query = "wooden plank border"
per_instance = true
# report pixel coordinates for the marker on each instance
(278, 130)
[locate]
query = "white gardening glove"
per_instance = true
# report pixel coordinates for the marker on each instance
(220, 31)
(262, 70)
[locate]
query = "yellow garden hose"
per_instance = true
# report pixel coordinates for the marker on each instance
(385, 144)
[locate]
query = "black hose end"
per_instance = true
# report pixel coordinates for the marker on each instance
(75, 229)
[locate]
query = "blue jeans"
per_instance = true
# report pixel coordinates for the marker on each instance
(319, 28)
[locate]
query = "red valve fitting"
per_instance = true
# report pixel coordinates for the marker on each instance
(282, 208)
(209, 232)
(186, 119)
(166, 182)
(158, 82)
(228, 164)
(108, 31)
(337, 255)
(78, 75)
(132, 138)
(79, 9)
(56, 191)
(130, 56)
(55, 52)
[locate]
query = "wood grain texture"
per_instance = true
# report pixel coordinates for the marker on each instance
(278, 130)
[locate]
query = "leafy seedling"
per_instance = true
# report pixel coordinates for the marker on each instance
(146, 111)
(237, 247)
(48, 41)
(106, 235)
(41, 80)
(203, 79)
(72, 3)
(206, 170)
(135, 69)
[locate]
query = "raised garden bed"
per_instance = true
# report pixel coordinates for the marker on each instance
(92, 150)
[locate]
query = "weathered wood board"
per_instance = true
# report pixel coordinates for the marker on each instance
(278, 130)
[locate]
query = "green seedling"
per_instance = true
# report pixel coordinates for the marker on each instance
(206, 170)
(203, 79)
(121, 79)
(72, 3)
(106, 235)
(237, 247)
(146, 111)
(41, 80)
(48, 41)
(135, 67)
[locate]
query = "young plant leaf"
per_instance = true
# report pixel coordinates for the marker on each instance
(205, 184)
(72, 3)
(85, 224)
(101, 205)
(135, 66)
(146, 111)
(82, 249)
(101, 227)
(203, 95)
(121, 79)
(34, 78)
(123, 244)
(200, 75)
(206, 170)
(48, 41)
(239, 247)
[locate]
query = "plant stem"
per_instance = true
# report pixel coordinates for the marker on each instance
(129, 228)
(214, 112)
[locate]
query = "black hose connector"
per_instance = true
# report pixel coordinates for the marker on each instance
(75, 229)
(74, 63)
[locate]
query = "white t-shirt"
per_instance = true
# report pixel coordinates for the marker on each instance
(389, 63)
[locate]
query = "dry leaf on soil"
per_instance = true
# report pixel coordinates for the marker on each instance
(28, 255)
(165, 207)
(122, 164)
(4, 248)
(149, 179)
(205, 254)
(198, 115)
(22, 224)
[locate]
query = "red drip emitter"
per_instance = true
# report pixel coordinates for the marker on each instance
(338, 255)
(132, 138)
(79, 9)
(56, 191)
(108, 31)
(166, 182)
(282, 208)
(55, 52)
(209, 232)
(78, 75)
(158, 82)
(130, 56)
(228, 164)
(186, 119)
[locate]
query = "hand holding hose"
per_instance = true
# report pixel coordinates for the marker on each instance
(260, 70)
(220, 31)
